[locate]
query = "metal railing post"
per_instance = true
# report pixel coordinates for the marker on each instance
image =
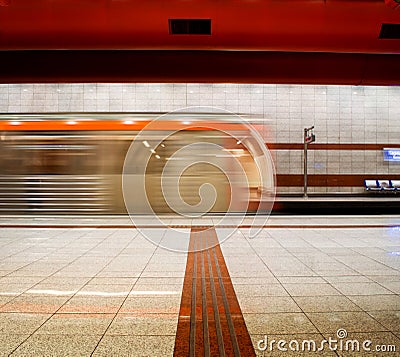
(305, 162)
(309, 138)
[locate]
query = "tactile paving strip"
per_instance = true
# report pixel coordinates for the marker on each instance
(210, 320)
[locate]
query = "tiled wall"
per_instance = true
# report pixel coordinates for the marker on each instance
(341, 115)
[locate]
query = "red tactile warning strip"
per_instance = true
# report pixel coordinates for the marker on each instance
(210, 320)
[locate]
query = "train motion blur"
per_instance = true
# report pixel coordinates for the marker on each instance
(74, 163)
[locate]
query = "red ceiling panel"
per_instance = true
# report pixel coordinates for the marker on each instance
(262, 25)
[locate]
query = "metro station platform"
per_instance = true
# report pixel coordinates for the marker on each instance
(361, 204)
(96, 285)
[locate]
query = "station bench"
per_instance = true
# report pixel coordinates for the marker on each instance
(387, 186)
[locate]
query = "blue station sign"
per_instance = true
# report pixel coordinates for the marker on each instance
(391, 154)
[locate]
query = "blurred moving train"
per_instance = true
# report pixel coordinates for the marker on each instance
(73, 163)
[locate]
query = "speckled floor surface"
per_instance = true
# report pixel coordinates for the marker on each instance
(111, 292)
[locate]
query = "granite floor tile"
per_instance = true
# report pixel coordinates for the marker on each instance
(251, 280)
(92, 304)
(325, 303)
(267, 304)
(163, 274)
(13, 289)
(140, 346)
(385, 278)
(113, 281)
(76, 324)
(160, 281)
(69, 281)
(105, 290)
(377, 302)
(166, 267)
(302, 280)
(347, 279)
(27, 303)
(9, 342)
(144, 324)
(393, 286)
(377, 271)
(58, 345)
(260, 290)
(120, 274)
(257, 274)
(336, 272)
(20, 323)
(310, 289)
(53, 290)
(278, 323)
(294, 273)
(358, 288)
(5, 299)
(23, 280)
(152, 304)
(389, 319)
(350, 321)
(176, 288)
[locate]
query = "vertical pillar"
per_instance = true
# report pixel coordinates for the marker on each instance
(305, 161)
